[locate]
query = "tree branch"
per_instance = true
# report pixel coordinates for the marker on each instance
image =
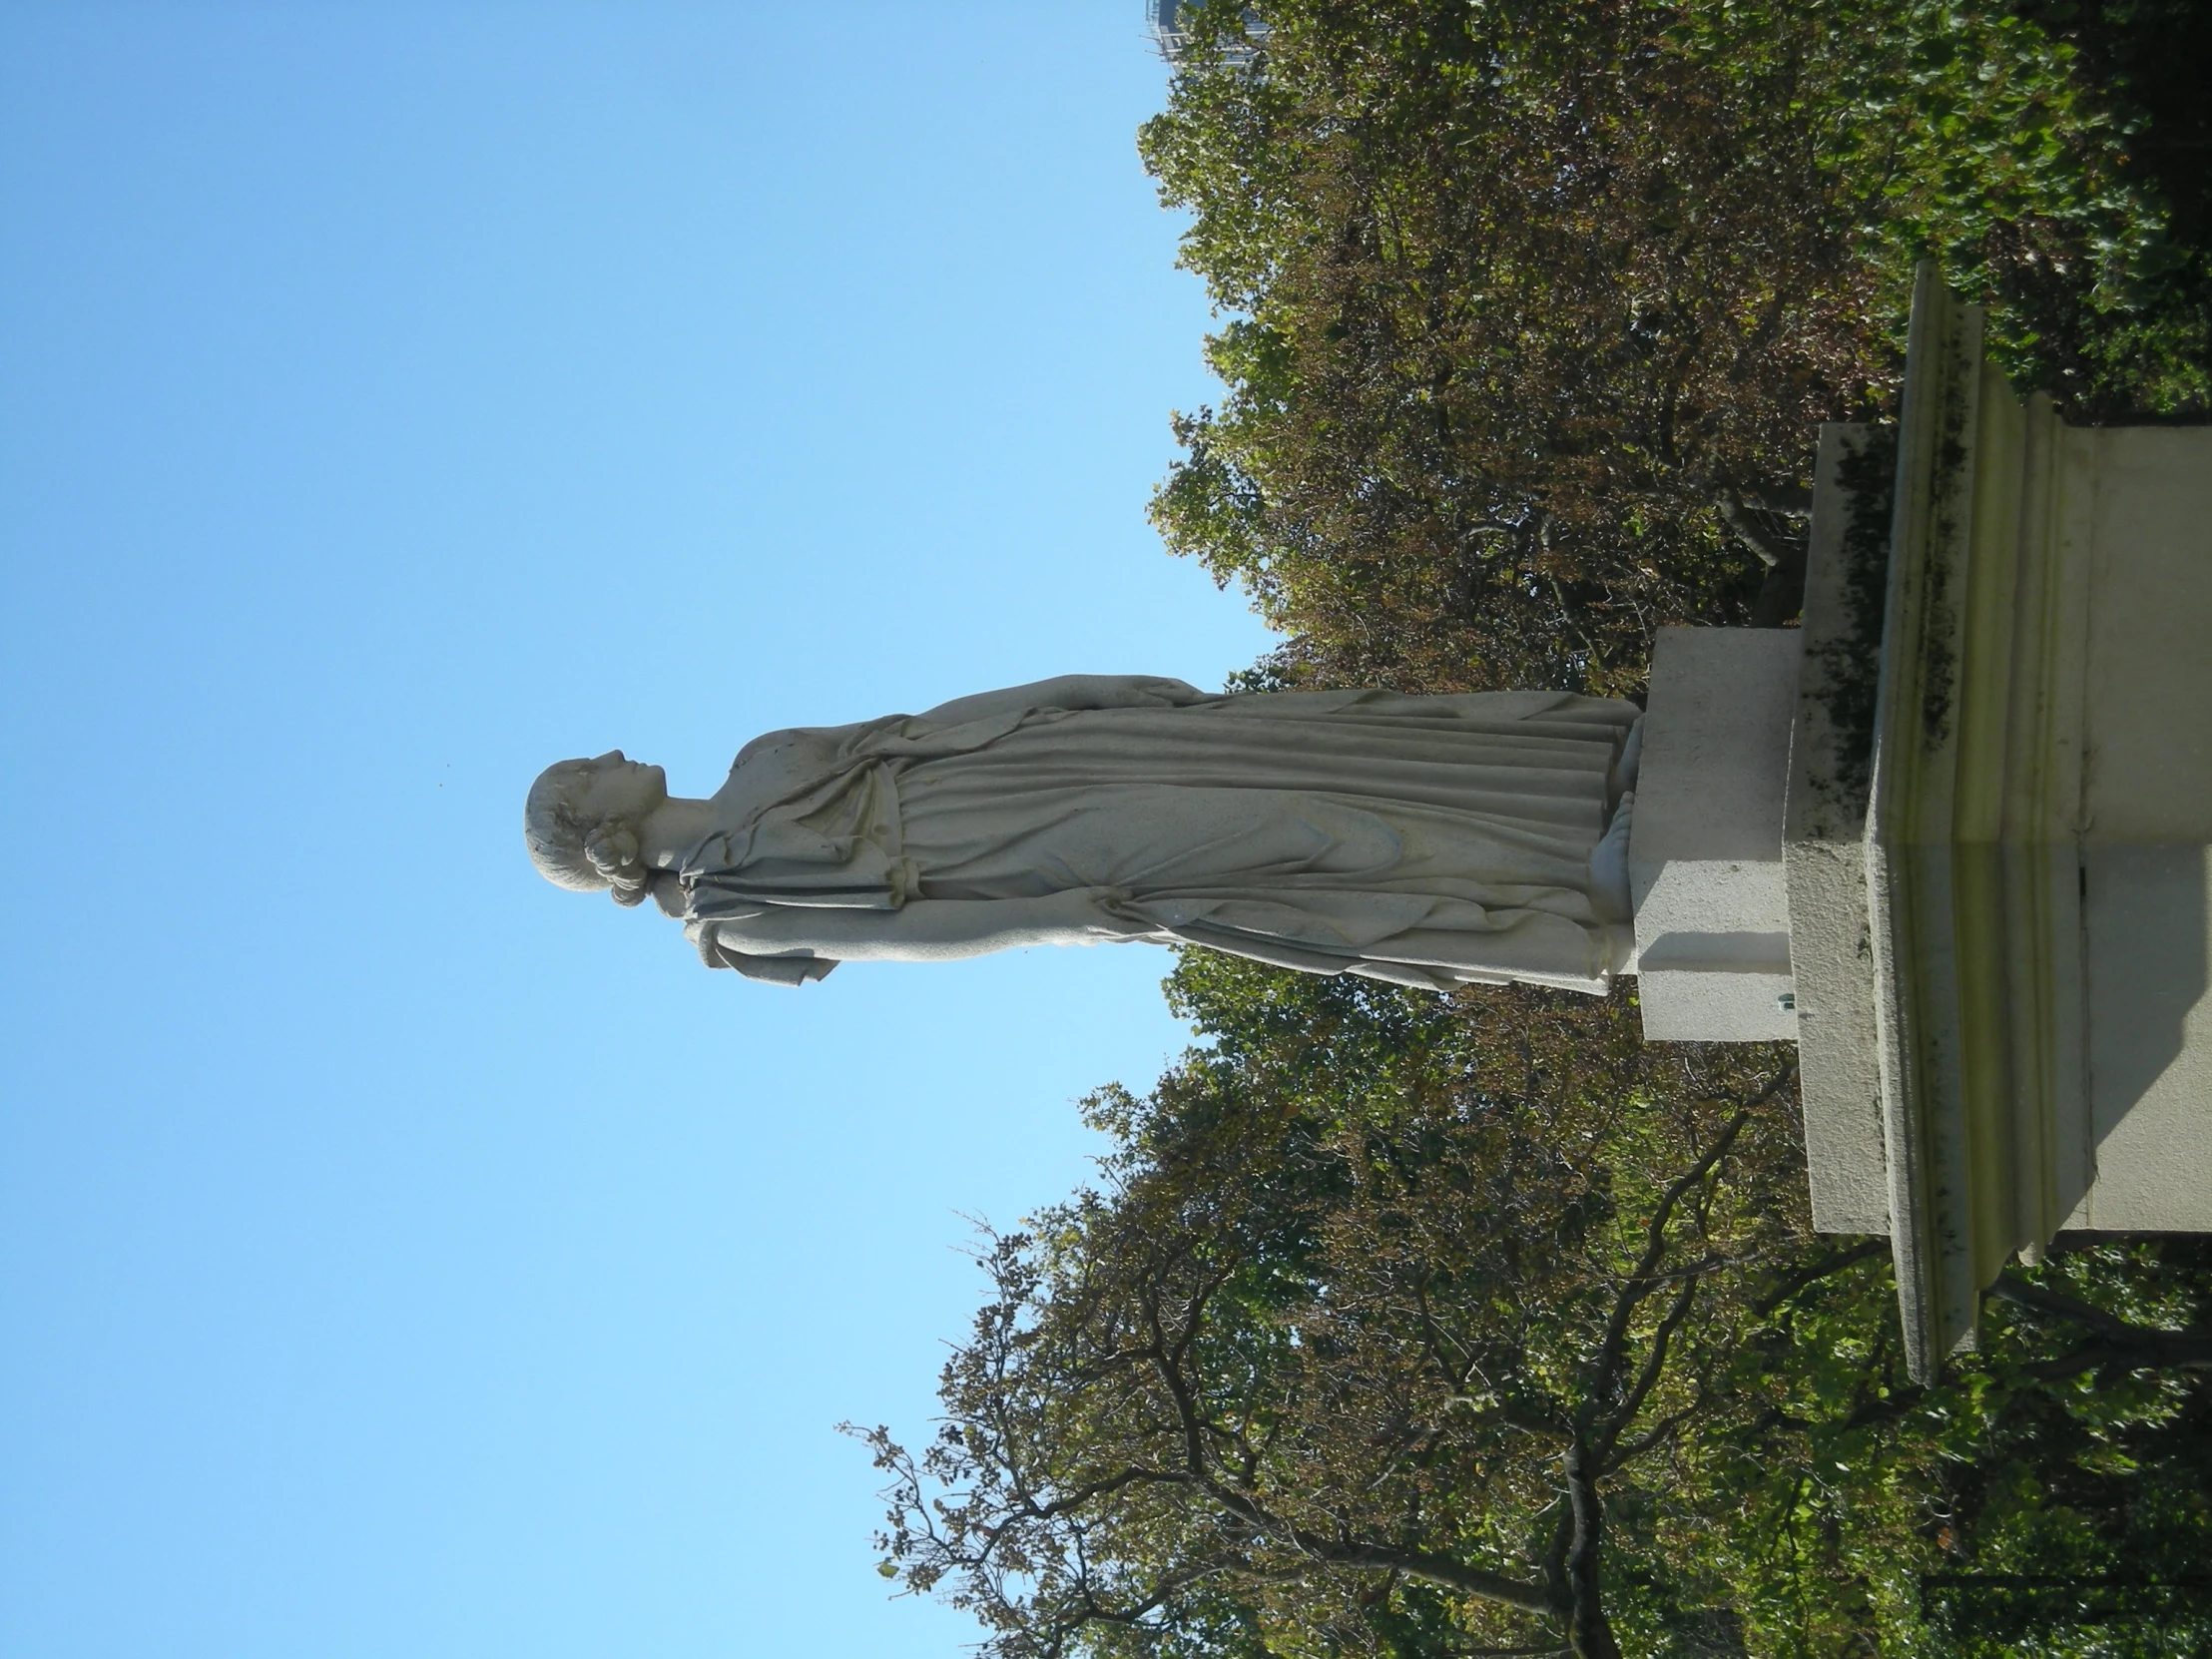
(1612, 1352)
(1832, 1263)
(1438, 1569)
(1746, 529)
(1622, 1457)
(1647, 1377)
(2120, 1347)
(1590, 1632)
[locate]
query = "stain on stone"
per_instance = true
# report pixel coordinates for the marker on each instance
(1851, 662)
(1946, 546)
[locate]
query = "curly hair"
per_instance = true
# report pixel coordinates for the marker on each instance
(571, 851)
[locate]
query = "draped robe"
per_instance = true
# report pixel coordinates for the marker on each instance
(1427, 840)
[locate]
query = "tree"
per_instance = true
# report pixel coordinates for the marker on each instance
(2050, 1495)
(1415, 1326)
(1314, 1361)
(1532, 311)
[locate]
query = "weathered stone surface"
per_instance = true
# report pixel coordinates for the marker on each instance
(1705, 848)
(1824, 832)
(2036, 840)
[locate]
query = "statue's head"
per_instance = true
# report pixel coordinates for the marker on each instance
(582, 821)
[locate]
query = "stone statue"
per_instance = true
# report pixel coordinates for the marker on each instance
(1432, 841)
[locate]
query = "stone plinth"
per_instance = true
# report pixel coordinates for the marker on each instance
(1996, 836)
(1824, 828)
(1705, 844)
(2000, 817)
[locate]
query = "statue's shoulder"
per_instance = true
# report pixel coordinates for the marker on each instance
(770, 744)
(776, 765)
(802, 746)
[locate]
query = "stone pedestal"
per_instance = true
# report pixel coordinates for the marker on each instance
(1705, 844)
(1994, 833)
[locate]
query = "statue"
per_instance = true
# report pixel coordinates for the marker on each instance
(1432, 841)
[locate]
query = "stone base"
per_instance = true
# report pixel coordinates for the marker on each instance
(1825, 829)
(2147, 1138)
(1705, 844)
(1954, 833)
(1998, 828)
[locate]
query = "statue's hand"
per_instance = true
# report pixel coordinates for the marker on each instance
(795, 968)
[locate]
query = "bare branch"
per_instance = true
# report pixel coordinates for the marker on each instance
(1746, 529)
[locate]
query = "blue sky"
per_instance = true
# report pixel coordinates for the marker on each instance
(400, 1257)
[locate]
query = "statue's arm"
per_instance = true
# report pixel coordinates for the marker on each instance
(1072, 690)
(928, 929)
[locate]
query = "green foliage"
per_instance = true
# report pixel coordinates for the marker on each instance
(1378, 1336)
(1999, 1511)
(1532, 311)
(1967, 133)
(1386, 1305)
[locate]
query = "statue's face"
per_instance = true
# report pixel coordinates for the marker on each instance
(613, 785)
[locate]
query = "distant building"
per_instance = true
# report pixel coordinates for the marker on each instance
(1164, 21)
